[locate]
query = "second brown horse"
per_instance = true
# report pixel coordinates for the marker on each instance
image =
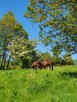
(47, 63)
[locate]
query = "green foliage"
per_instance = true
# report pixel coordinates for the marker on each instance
(67, 59)
(21, 50)
(75, 62)
(56, 52)
(56, 60)
(43, 56)
(39, 85)
(57, 22)
(9, 30)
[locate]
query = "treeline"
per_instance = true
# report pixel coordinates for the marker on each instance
(57, 60)
(16, 50)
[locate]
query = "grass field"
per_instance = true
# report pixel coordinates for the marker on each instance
(59, 85)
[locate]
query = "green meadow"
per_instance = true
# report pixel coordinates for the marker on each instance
(25, 85)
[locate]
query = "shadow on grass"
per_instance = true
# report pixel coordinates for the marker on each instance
(69, 74)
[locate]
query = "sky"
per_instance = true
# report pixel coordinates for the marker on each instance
(18, 7)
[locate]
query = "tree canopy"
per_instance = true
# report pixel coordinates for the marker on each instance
(57, 22)
(14, 41)
(22, 50)
(43, 56)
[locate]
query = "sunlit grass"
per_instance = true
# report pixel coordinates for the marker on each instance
(59, 85)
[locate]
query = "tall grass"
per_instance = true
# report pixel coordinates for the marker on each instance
(59, 85)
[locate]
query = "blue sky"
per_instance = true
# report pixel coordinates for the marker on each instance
(18, 7)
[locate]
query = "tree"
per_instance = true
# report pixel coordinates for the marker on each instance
(57, 22)
(75, 62)
(67, 59)
(46, 56)
(9, 29)
(21, 51)
(56, 54)
(43, 56)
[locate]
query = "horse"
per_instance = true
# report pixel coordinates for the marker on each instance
(47, 63)
(35, 65)
(42, 64)
(50, 63)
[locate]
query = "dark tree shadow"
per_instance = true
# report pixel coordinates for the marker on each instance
(70, 74)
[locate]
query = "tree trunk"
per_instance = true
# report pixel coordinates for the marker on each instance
(1, 65)
(8, 62)
(3, 61)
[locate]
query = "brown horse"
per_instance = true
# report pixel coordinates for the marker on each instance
(42, 64)
(47, 63)
(50, 63)
(35, 65)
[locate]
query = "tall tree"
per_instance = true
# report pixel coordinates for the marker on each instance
(9, 29)
(57, 22)
(56, 52)
(43, 56)
(22, 50)
(67, 59)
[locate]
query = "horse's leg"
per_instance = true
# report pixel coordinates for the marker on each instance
(35, 68)
(52, 66)
(45, 66)
(41, 66)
